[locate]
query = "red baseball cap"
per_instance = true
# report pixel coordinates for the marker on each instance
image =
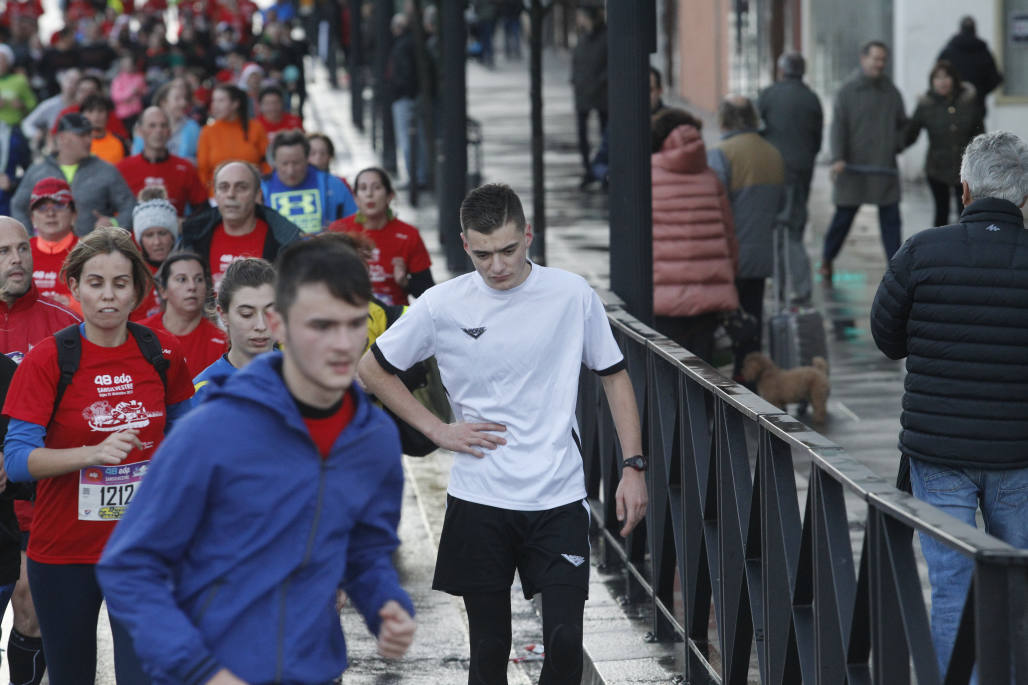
(50, 188)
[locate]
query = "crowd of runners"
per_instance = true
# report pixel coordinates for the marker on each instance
(179, 262)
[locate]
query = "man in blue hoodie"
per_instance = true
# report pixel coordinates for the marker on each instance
(309, 197)
(226, 567)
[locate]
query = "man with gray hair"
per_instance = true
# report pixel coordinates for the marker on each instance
(954, 302)
(793, 122)
(753, 174)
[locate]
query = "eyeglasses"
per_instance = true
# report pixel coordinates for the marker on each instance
(50, 205)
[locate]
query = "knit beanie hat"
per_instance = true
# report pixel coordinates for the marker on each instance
(154, 213)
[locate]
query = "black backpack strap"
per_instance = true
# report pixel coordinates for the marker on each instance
(69, 352)
(150, 346)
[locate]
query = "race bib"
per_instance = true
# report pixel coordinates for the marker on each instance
(105, 491)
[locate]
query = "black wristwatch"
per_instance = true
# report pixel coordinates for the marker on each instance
(638, 462)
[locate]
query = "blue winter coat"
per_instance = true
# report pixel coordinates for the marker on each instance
(233, 549)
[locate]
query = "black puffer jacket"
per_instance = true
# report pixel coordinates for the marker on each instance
(954, 301)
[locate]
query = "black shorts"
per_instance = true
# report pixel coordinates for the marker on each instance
(481, 546)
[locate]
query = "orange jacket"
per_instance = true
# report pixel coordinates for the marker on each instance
(221, 141)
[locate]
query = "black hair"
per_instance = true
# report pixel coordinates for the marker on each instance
(866, 49)
(320, 260)
(289, 138)
(490, 207)
(238, 96)
(96, 101)
(249, 272)
(387, 182)
(95, 79)
(311, 137)
(164, 272)
(666, 122)
(655, 73)
(271, 90)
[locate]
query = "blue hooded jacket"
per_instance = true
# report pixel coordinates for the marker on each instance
(235, 544)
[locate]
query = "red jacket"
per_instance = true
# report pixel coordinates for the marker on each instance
(694, 248)
(32, 318)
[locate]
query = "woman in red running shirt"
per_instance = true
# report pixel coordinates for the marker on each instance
(400, 265)
(184, 287)
(90, 451)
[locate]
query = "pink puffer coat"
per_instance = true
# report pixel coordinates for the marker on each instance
(695, 253)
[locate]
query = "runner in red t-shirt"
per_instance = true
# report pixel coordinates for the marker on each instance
(90, 454)
(53, 220)
(226, 248)
(400, 264)
(155, 225)
(273, 114)
(155, 166)
(184, 286)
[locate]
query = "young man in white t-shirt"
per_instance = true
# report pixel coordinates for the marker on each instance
(510, 340)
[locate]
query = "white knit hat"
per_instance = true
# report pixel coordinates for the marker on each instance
(154, 213)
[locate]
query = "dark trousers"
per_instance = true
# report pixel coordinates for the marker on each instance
(888, 221)
(694, 333)
(582, 119)
(67, 599)
(942, 193)
(751, 299)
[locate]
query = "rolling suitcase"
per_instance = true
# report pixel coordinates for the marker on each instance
(795, 334)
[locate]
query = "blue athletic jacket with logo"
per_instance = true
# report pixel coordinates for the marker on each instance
(317, 201)
(231, 553)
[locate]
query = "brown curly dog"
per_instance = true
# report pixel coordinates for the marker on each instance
(781, 387)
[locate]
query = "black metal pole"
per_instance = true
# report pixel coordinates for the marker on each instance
(382, 17)
(538, 251)
(355, 65)
(454, 158)
(330, 20)
(631, 229)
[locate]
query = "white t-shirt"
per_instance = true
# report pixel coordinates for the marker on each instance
(511, 357)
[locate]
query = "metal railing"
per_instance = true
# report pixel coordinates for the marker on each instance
(724, 515)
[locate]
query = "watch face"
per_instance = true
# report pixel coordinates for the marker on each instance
(638, 463)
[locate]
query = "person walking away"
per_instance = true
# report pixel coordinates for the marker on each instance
(402, 82)
(867, 132)
(695, 253)
(245, 301)
(313, 462)
(400, 265)
(589, 81)
(516, 496)
(752, 171)
(952, 115)
(184, 287)
(963, 404)
(78, 446)
(793, 123)
(970, 56)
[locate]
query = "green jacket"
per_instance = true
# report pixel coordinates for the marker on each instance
(951, 123)
(15, 86)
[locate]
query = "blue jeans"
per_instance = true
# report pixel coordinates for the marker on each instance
(403, 110)
(888, 221)
(1002, 496)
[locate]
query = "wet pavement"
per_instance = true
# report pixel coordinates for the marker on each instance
(863, 409)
